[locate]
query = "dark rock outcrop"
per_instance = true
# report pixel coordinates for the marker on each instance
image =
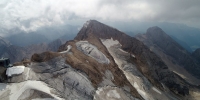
(45, 56)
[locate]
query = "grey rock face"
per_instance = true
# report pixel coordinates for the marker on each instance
(69, 82)
(92, 51)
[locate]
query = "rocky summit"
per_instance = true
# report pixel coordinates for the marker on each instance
(101, 63)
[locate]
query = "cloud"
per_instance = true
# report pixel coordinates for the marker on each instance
(29, 15)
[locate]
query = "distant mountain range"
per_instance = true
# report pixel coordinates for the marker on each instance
(17, 53)
(184, 34)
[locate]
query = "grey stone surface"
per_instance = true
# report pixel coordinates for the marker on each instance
(92, 51)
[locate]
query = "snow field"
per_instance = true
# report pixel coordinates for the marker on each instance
(15, 70)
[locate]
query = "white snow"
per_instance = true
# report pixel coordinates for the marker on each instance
(113, 94)
(18, 89)
(123, 51)
(15, 70)
(86, 24)
(141, 92)
(109, 42)
(68, 48)
(155, 89)
(133, 55)
(99, 90)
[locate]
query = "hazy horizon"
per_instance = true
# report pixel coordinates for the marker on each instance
(32, 15)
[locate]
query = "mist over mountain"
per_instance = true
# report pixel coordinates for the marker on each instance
(42, 35)
(25, 39)
(189, 35)
(18, 51)
(183, 44)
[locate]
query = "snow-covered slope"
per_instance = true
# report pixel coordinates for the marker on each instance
(138, 81)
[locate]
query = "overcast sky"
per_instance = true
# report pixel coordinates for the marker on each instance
(29, 15)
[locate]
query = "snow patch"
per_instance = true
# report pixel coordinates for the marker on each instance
(68, 48)
(142, 93)
(17, 89)
(133, 55)
(113, 94)
(86, 24)
(155, 89)
(15, 70)
(109, 42)
(123, 51)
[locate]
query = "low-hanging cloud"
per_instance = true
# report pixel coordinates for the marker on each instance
(29, 15)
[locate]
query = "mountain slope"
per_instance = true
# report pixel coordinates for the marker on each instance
(175, 56)
(183, 44)
(147, 62)
(196, 54)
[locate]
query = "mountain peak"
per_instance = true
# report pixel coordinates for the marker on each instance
(157, 35)
(90, 23)
(98, 29)
(155, 31)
